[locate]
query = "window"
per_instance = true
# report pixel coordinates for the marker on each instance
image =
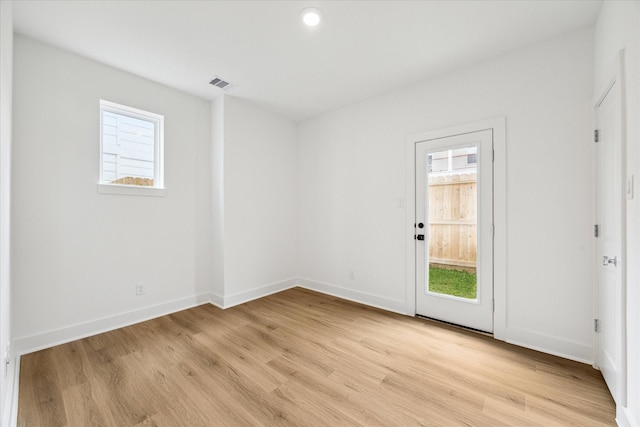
(453, 161)
(131, 150)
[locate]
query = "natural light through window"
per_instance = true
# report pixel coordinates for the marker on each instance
(452, 204)
(131, 147)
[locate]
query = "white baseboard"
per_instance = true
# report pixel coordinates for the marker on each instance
(10, 404)
(217, 300)
(15, 389)
(259, 292)
(533, 340)
(55, 337)
(395, 306)
(624, 418)
(549, 344)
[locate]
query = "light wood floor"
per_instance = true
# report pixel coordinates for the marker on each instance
(305, 359)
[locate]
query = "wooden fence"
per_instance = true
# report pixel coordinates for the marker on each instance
(130, 180)
(452, 221)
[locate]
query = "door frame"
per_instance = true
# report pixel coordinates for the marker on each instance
(498, 125)
(614, 75)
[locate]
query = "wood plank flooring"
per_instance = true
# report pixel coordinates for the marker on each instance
(299, 358)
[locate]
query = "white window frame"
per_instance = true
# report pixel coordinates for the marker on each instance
(158, 188)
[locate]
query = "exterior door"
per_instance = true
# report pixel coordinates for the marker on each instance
(454, 229)
(610, 208)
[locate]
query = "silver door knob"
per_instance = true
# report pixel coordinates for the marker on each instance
(606, 261)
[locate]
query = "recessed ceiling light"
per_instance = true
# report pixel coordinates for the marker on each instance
(311, 16)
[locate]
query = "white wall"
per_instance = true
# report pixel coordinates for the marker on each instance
(217, 199)
(260, 200)
(618, 28)
(352, 171)
(6, 79)
(226, 230)
(77, 254)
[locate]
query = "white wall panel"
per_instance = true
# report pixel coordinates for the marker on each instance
(260, 198)
(6, 307)
(78, 254)
(352, 174)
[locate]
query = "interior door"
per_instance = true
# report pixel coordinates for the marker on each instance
(610, 208)
(454, 229)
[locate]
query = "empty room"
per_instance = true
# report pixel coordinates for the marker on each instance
(320, 213)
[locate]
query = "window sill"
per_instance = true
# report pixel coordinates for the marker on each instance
(131, 190)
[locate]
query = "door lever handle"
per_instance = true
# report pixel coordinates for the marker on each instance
(606, 261)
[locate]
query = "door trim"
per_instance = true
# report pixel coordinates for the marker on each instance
(498, 125)
(614, 76)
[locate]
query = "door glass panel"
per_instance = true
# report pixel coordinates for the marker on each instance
(452, 220)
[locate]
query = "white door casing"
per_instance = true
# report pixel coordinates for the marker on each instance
(610, 242)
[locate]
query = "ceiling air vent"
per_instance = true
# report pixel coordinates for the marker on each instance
(222, 84)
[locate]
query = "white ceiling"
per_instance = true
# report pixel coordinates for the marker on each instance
(361, 48)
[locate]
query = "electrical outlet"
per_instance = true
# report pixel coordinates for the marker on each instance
(140, 289)
(352, 274)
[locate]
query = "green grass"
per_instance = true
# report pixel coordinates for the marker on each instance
(452, 282)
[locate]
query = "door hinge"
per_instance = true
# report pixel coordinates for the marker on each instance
(494, 306)
(493, 155)
(493, 230)
(596, 230)
(596, 135)
(596, 325)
